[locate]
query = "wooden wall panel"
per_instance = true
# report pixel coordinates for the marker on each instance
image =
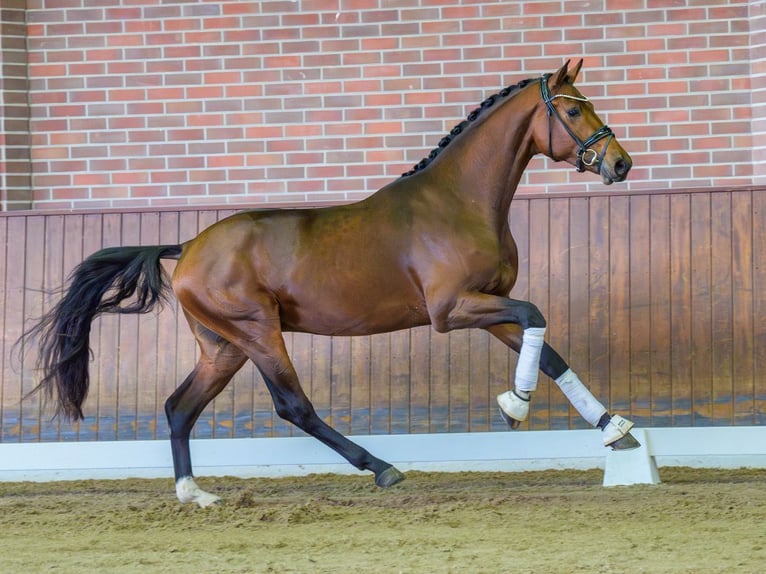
(759, 307)
(657, 300)
(660, 312)
(9, 336)
(679, 343)
(15, 248)
(595, 365)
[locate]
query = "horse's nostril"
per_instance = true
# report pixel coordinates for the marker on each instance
(621, 167)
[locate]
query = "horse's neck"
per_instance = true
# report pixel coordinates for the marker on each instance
(485, 165)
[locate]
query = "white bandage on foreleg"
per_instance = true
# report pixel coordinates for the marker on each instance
(580, 397)
(529, 359)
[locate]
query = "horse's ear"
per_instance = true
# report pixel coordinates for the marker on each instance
(565, 75)
(561, 76)
(572, 75)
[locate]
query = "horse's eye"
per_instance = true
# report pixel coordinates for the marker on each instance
(573, 112)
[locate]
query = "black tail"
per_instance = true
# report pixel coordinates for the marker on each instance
(97, 285)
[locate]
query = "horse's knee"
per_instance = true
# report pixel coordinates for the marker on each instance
(531, 316)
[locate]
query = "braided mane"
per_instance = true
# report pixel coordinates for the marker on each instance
(458, 129)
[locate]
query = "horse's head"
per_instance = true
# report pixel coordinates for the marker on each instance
(570, 130)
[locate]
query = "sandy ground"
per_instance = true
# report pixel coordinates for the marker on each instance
(696, 521)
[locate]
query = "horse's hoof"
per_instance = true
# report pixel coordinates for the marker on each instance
(512, 423)
(617, 429)
(513, 408)
(207, 500)
(389, 477)
(188, 491)
(628, 442)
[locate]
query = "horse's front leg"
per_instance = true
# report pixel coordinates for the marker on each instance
(521, 326)
(515, 403)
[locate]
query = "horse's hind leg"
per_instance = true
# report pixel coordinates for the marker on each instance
(293, 405)
(263, 342)
(218, 362)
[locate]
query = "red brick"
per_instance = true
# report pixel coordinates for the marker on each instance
(66, 111)
(325, 171)
(707, 56)
(43, 70)
(285, 145)
(669, 116)
(121, 68)
(308, 185)
(305, 130)
(688, 129)
(129, 178)
(578, 35)
(345, 184)
(384, 156)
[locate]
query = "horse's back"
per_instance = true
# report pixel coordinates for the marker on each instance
(337, 270)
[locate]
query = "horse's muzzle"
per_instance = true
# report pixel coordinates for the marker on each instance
(616, 172)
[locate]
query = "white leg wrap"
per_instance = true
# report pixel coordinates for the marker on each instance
(528, 367)
(580, 397)
(188, 491)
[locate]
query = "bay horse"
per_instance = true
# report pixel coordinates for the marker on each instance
(432, 247)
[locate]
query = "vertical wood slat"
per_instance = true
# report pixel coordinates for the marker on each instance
(340, 384)
(639, 310)
(15, 252)
(722, 407)
(57, 252)
(439, 411)
(6, 342)
(559, 332)
(660, 311)
(477, 382)
(578, 296)
(168, 323)
(538, 250)
(399, 381)
(702, 339)
(679, 347)
(420, 375)
(130, 332)
(599, 305)
(33, 271)
(759, 305)
(619, 304)
(656, 300)
(147, 378)
(744, 376)
(458, 381)
(107, 365)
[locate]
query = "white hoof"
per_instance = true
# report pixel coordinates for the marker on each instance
(616, 428)
(188, 491)
(513, 406)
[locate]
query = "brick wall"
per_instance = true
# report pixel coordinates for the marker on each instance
(15, 167)
(758, 57)
(147, 103)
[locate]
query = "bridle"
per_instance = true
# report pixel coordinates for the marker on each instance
(585, 155)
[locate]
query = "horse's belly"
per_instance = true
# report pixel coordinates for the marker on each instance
(360, 313)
